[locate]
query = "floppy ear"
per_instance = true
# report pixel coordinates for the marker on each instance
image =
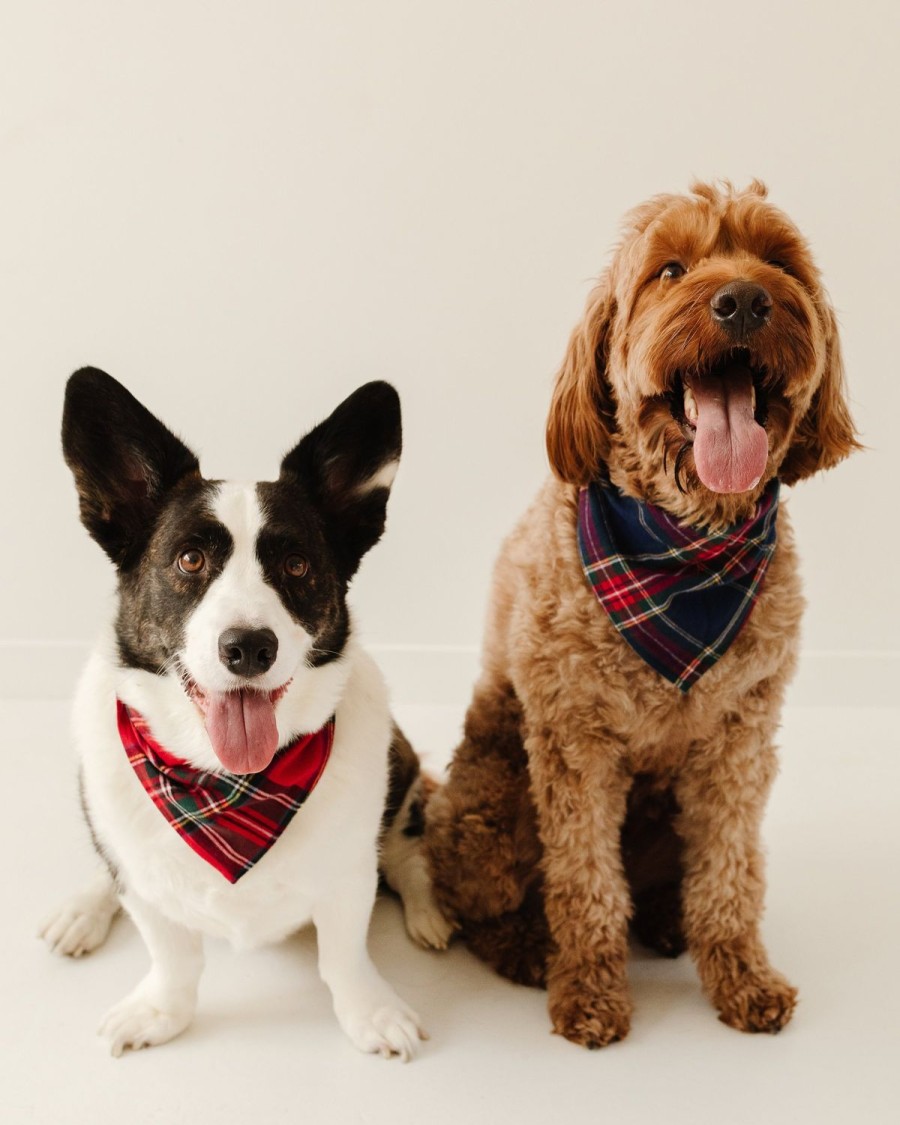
(347, 464)
(825, 434)
(582, 410)
(124, 461)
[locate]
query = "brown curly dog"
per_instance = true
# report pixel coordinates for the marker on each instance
(589, 790)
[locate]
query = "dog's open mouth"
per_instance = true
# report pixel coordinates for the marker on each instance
(241, 725)
(722, 413)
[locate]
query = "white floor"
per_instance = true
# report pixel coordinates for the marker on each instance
(265, 1046)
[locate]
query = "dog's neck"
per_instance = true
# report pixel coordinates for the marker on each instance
(696, 507)
(677, 595)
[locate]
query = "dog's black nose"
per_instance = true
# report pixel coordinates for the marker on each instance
(248, 652)
(741, 307)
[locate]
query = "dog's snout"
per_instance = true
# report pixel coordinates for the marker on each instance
(248, 652)
(741, 307)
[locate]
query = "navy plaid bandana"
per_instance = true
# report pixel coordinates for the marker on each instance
(678, 595)
(231, 820)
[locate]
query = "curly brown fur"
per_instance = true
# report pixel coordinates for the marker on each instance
(652, 857)
(588, 792)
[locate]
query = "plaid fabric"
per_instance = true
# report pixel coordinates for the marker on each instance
(678, 595)
(231, 820)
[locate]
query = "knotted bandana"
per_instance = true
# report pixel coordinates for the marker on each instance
(678, 595)
(231, 820)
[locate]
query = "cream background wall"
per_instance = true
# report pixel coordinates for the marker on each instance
(244, 210)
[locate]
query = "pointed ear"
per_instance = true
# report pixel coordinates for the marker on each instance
(582, 410)
(825, 434)
(347, 464)
(124, 461)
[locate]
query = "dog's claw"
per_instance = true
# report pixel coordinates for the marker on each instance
(79, 926)
(136, 1022)
(390, 1031)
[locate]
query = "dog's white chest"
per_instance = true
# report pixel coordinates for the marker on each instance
(335, 829)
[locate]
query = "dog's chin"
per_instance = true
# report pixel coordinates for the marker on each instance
(721, 411)
(240, 723)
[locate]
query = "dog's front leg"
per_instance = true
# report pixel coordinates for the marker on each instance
(163, 1004)
(580, 791)
(722, 792)
(373, 1017)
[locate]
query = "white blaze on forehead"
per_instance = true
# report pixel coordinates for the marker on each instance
(241, 591)
(241, 598)
(383, 478)
(237, 507)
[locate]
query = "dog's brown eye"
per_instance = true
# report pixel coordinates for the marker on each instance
(191, 562)
(296, 566)
(778, 264)
(671, 271)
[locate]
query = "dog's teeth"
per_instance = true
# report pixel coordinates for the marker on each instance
(690, 406)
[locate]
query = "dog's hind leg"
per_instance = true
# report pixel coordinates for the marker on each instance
(652, 855)
(402, 859)
(480, 832)
(82, 923)
(658, 923)
(517, 945)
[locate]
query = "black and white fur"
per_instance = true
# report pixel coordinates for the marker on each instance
(143, 499)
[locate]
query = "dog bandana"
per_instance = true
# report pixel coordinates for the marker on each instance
(231, 820)
(678, 595)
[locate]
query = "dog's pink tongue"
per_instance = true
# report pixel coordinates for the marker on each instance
(730, 447)
(241, 727)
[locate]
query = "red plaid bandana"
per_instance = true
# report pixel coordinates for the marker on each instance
(230, 820)
(678, 595)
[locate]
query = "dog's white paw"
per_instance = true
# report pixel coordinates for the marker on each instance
(137, 1022)
(80, 925)
(387, 1030)
(425, 923)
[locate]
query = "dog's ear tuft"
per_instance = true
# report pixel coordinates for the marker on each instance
(825, 435)
(123, 459)
(347, 464)
(582, 410)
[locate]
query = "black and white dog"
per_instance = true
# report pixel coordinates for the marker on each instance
(231, 695)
